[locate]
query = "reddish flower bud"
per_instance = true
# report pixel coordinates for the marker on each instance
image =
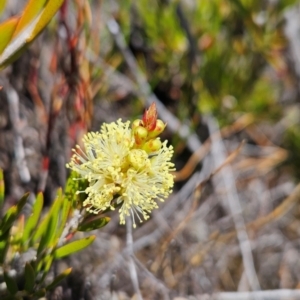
(150, 117)
(159, 128)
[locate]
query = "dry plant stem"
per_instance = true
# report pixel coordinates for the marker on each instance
(193, 161)
(204, 250)
(227, 179)
(227, 161)
(174, 124)
(283, 294)
(159, 285)
(163, 249)
(287, 205)
(243, 283)
(241, 123)
(130, 254)
(13, 104)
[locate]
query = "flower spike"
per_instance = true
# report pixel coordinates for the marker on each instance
(125, 167)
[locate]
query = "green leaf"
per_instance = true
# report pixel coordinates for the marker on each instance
(22, 202)
(73, 247)
(33, 21)
(45, 17)
(2, 186)
(12, 214)
(58, 279)
(44, 265)
(2, 5)
(7, 29)
(93, 224)
(4, 244)
(33, 219)
(11, 284)
(29, 277)
(54, 216)
(47, 263)
(44, 229)
(30, 12)
(11, 55)
(8, 219)
(64, 215)
(48, 234)
(52, 229)
(41, 229)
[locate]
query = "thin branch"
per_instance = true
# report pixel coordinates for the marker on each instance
(227, 179)
(283, 294)
(130, 254)
(159, 285)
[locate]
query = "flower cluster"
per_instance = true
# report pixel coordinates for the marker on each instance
(126, 166)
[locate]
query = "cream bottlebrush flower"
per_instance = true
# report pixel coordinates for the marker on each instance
(120, 172)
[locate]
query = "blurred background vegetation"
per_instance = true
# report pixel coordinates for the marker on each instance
(225, 66)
